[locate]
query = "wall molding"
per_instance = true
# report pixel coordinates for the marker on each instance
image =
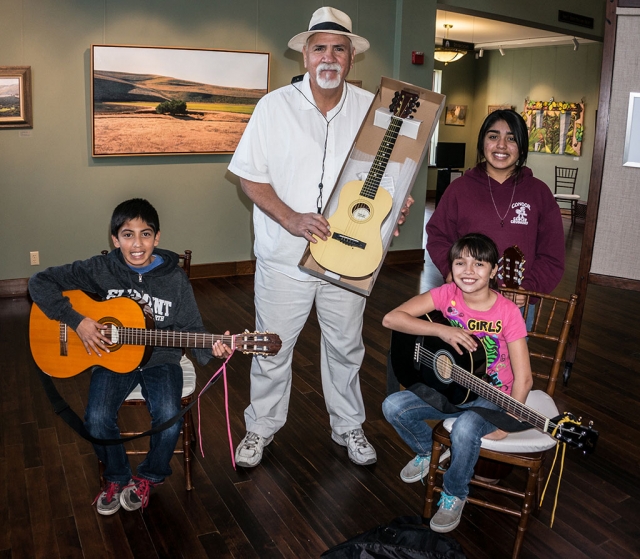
(18, 287)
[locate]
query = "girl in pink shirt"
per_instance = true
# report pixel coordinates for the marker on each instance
(478, 315)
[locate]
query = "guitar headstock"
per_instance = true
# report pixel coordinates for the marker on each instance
(572, 432)
(404, 103)
(511, 269)
(258, 343)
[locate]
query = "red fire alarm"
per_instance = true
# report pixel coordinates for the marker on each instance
(417, 57)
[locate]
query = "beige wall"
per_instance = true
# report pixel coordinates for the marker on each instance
(57, 199)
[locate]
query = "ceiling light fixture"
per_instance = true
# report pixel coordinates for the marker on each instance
(450, 51)
(501, 51)
(576, 44)
(481, 53)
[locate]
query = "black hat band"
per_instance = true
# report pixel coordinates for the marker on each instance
(329, 26)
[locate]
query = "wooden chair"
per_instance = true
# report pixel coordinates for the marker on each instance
(527, 449)
(565, 189)
(188, 389)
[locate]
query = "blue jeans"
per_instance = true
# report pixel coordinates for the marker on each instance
(162, 389)
(530, 316)
(407, 414)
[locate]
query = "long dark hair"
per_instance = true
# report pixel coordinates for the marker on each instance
(518, 128)
(477, 246)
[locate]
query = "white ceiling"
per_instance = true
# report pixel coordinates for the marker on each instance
(491, 34)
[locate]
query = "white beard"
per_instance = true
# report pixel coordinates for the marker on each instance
(329, 83)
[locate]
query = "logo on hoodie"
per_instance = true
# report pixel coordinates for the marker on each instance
(161, 308)
(521, 211)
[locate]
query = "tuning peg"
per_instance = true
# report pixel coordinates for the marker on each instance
(417, 103)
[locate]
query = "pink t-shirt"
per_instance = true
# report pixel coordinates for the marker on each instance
(501, 324)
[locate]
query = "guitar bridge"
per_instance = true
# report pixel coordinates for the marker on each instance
(349, 241)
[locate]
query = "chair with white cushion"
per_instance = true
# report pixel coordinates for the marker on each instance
(527, 449)
(565, 189)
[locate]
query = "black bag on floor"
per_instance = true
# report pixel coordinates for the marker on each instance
(403, 538)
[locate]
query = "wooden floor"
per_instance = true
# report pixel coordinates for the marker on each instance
(306, 496)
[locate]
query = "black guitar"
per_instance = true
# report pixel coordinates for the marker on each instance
(460, 379)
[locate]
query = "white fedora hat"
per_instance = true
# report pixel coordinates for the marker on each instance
(329, 20)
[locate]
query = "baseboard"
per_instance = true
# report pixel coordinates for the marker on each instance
(18, 287)
(14, 287)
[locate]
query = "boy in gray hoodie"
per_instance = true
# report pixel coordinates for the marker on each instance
(139, 270)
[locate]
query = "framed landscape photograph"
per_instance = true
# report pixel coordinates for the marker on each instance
(172, 101)
(456, 115)
(15, 97)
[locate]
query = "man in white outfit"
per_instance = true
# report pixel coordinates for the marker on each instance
(288, 161)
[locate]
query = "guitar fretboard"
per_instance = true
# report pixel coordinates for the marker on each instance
(372, 182)
(488, 392)
(168, 338)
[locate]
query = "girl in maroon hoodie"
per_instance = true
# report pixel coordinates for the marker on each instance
(500, 198)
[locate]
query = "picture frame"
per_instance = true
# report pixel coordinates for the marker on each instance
(148, 100)
(16, 109)
(631, 154)
(455, 115)
(493, 108)
(555, 127)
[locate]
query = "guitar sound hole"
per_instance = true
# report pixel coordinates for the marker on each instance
(443, 367)
(361, 212)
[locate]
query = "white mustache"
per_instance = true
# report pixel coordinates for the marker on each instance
(324, 66)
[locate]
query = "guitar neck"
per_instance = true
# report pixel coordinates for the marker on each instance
(372, 182)
(493, 394)
(168, 338)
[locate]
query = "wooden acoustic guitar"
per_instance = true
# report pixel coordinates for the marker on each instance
(354, 248)
(59, 352)
(458, 377)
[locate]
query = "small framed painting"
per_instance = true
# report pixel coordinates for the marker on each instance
(493, 108)
(15, 97)
(456, 115)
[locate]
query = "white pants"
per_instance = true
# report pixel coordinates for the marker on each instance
(283, 306)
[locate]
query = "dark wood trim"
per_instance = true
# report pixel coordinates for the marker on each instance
(610, 281)
(18, 287)
(597, 168)
(14, 287)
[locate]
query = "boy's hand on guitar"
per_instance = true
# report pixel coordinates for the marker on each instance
(90, 332)
(458, 338)
(221, 350)
(404, 212)
(307, 225)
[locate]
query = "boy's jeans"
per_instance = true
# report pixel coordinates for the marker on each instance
(408, 412)
(162, 390)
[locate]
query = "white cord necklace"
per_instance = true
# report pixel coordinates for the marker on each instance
(502, 218)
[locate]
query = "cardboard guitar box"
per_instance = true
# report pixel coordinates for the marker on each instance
(400, 173)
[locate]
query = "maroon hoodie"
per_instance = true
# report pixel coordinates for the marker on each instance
(532, 222)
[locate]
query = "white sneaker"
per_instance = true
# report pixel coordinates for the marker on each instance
(418, 468)
(249, 451)
(360, 450)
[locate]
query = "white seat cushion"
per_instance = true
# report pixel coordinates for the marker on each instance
(188, 381)
(530, 440)
(567, 196)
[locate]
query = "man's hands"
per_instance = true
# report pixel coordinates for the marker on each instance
(404, 212)
(92, 336)
(307, 225)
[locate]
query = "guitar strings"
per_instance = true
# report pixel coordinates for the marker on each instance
(484, 389)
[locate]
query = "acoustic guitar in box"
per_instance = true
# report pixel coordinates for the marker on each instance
(354, 248)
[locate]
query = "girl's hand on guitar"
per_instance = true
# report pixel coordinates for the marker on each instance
(221, 350)
(307, 225)
(458, 338)
(91, 334)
